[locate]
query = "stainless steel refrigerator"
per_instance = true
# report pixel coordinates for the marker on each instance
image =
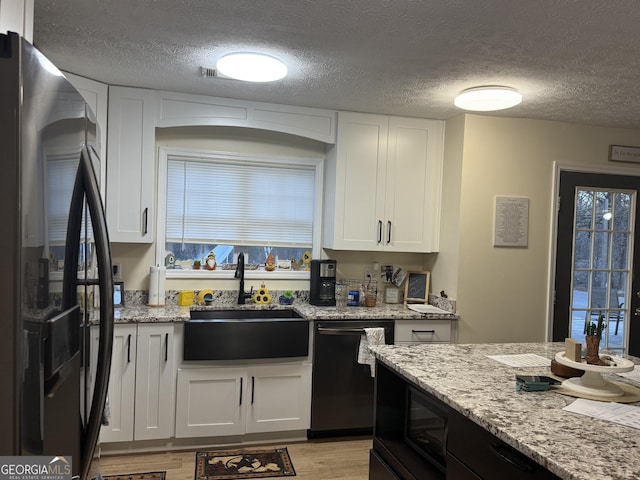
(55, 267)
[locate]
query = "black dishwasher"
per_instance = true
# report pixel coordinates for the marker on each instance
(342, 389)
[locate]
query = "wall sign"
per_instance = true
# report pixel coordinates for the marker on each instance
(511, 222)
(620, 153)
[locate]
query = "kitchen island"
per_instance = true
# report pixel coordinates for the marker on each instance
(482, 390)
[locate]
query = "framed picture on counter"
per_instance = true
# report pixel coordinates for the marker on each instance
(391, 294)
(416, 287)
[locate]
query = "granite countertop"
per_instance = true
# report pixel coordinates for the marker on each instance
(573, 446)
(176, 313)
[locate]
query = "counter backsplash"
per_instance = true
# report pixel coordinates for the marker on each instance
(229, 297)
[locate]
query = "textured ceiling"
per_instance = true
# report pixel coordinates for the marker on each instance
(572, 60)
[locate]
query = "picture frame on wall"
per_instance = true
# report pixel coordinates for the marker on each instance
(416, 287)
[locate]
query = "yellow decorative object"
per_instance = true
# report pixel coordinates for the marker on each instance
(185, 297)
(262, 296)
(201, 296)
(306, 258)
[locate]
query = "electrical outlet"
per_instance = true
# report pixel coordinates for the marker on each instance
(117, 271)
(369, 273)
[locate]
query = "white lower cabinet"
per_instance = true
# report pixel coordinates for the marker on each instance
(280, 398)
(425, 331)
(122, 383)
(141, 383)
(155, 374)
(220, 401)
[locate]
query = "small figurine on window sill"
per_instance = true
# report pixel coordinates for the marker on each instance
(196, 264)
(270, 264)
(296, 264)
(306, 258)
(210, 263)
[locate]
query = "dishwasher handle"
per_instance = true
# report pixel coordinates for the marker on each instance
(340, 331)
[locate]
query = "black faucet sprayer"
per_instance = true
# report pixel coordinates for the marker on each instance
(242, 295)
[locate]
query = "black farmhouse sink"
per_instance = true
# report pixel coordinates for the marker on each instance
(243, 314)
(245, 334)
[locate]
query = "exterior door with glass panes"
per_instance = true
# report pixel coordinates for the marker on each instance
(595, 252)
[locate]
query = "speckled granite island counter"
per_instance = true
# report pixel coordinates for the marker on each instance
(569, 445)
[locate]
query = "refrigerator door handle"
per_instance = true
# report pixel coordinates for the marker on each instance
(105, 345)
(86, 185)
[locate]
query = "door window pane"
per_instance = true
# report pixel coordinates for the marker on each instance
(601, 263)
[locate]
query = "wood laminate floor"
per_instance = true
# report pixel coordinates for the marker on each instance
(312, 460)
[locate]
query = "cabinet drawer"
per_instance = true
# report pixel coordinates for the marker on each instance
(458, 471)
(488, 456)
(378, 470)
(422, 331)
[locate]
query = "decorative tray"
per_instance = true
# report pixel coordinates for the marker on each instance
(592, 382)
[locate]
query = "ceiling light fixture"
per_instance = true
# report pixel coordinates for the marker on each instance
(251, 67)
(488, 98)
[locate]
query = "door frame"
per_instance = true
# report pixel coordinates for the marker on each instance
(558, 168)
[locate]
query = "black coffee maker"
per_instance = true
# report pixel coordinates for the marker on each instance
(323, 283)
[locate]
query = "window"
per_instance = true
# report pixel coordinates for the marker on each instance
(61, 168)
(216, 204)
(601, 262)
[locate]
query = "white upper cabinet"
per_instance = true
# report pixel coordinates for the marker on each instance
(179, 109)
(96, 95)
(383, 184)
(131, 172)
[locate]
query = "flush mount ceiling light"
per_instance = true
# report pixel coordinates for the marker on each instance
(251, 67)
(487, 99)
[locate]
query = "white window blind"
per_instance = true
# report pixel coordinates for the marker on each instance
(241, 203)
(61, 176)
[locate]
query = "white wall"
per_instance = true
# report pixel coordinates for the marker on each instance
(17, 16)
(444, 272)
(502, 292)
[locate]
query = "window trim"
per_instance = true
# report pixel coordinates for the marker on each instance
(165, 152)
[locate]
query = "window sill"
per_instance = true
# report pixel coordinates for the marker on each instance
(248, 274)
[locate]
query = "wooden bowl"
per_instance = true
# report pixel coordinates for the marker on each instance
(564, 371)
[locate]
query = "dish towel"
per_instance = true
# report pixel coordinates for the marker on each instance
(371, 336)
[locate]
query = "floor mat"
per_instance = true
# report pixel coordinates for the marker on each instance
(245, 463)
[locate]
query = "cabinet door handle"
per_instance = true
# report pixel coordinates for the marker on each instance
(379, 231)
(166, 347)
(423, 331)
(129, 349)
(241, 390)
(388, 232)
(145, 216)
(253, 388)
(512, 458)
